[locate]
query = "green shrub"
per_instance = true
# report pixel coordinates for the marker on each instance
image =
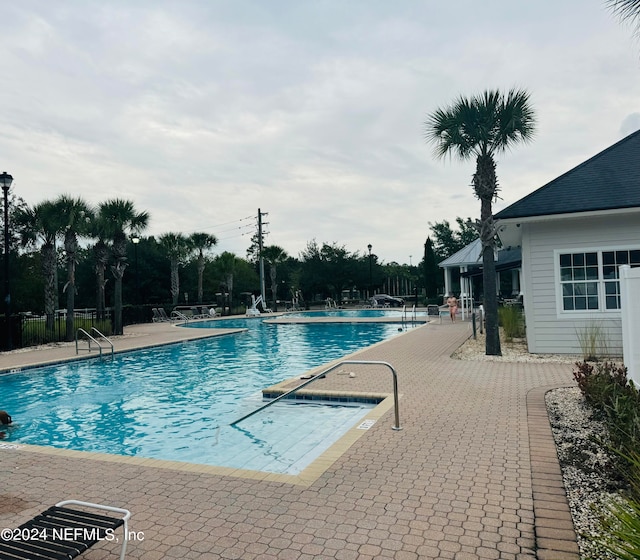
(607, 388)
(511, 319)
(621, 518)
(592, 339)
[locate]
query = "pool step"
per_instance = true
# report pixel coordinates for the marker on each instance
(280, 439)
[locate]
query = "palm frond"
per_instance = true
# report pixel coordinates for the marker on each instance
(515, 122)
(450, 129)
(481, 125)
(118, 216)
(626, 9)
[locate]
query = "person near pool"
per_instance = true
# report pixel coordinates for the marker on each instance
(5, 420)
(452, 302)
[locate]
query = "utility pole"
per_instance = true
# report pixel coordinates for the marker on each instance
(260, 247)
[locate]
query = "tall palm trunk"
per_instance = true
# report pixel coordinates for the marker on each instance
(200, 277)
(48, 253)
(175, 280)
(118, 272)
(274, 285)
(230, 290)
(71, 248)
(485, 184)
(230, 284)
(101, 259)
(119, 252)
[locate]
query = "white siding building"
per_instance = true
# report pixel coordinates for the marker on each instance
(574, 233)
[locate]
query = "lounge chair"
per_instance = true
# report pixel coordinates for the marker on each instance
(433, 310)
(157, 318)
(163, 315)
(196, 313)
(64, 532)
(437, 311)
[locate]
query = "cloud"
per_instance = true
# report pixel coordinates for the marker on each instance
(201, 112)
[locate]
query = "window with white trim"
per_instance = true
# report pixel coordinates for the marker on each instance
(611, 261)
(589, 280)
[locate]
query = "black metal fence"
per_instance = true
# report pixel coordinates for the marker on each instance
(32, 330)
(11, 332)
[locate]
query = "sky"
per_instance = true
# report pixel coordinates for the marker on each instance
(202, 112)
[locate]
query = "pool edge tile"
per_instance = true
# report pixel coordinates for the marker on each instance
(306, 477)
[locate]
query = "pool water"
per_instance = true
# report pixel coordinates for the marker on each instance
(359, 313)
(176, 402)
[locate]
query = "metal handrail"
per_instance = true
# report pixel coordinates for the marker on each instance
(414, 317)
(93, 329)
(90, 338)
(177, 315)
(323, 374)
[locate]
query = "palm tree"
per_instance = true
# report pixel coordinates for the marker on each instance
(481, 127)
(274, 255)
(200, 243)
(40, 225)
(627, 10)
(75, 218)
(226, 263)
(177, 248)
(120, 219)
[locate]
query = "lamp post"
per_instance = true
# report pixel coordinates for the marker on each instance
(370, 275)
(6, 180)
(135, 240)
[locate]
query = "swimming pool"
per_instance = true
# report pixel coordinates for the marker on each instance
(176, 402)
(359, 313)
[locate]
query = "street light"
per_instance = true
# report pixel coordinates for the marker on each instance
(6, 180)
(135, 240)
(370, 277)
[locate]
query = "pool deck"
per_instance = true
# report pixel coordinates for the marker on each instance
(473, 474)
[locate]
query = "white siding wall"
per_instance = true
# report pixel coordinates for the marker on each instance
(548, 329)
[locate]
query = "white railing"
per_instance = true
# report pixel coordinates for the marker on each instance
(630, 314)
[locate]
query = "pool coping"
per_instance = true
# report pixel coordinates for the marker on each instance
(306, 477)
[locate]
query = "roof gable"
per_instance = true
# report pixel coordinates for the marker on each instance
(607, 181)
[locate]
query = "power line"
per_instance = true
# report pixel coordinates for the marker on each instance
(216, 230)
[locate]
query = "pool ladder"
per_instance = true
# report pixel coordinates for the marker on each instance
(91, 338)
(323, 374)
(405, 316)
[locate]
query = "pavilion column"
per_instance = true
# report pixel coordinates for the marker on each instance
(447, 281)
(515, 281)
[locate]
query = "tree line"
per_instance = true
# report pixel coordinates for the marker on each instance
(67, 254)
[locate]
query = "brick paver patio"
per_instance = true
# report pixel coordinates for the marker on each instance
(472, 475)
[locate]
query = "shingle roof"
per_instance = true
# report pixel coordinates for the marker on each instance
(609, 180)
